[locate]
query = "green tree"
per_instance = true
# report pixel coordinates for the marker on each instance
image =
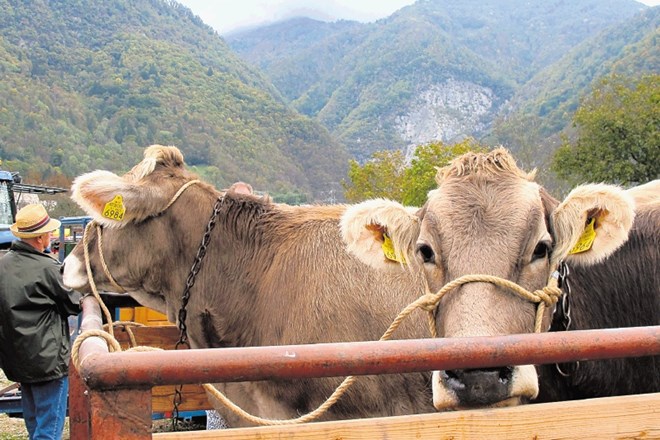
(419, 177)
(388, 175)
(618, 134)
(381, 176)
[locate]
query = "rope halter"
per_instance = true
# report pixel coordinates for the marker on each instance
(545, 297)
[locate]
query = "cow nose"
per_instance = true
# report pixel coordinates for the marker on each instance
(479, 387)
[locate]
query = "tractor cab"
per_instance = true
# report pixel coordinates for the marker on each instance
(11, 189)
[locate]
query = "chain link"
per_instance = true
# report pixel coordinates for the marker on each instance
(185, 297)
(564, 319)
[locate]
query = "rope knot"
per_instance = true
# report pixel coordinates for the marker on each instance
(428, 302)
(549, 295)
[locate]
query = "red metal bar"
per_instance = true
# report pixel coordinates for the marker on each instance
(121, 370)
(79, 404)
(105, 414)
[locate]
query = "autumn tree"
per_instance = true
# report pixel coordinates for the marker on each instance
(420, 175)
(618, 134)
(388, 175)
(381, 176)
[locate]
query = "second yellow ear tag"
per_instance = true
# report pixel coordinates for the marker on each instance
(586, 239)
(388, 250)
(114, 209)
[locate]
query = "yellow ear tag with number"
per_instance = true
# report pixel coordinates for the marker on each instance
(114, 209)
(586, 239)
(388, 250)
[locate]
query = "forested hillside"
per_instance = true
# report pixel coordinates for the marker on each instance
(89, 84)
(435, 70)
(547, 102)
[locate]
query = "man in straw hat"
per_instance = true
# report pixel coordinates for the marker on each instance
(34, 329)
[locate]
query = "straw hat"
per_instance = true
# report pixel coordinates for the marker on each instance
(33, 221)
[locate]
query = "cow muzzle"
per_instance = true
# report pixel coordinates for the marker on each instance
(484, 387)
(74, 274)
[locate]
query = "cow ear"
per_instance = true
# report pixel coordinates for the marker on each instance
(591, 223)
(109, 199)
(380, 232)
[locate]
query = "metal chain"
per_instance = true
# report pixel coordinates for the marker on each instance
(564, 315)
(185, 297)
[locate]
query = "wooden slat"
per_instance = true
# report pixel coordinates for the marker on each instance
(164, 337)
(605, 418)
(193, 398)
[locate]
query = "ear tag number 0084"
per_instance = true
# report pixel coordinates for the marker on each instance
(114, 209)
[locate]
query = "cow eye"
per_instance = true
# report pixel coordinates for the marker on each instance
(426, 253)
(542, 250)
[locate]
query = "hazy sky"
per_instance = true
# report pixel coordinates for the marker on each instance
(228, 15)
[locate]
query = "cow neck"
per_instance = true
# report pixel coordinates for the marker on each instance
(194, 270)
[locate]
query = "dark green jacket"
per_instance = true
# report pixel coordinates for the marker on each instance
(34, 307)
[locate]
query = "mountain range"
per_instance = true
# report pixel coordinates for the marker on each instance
(443, 70)
(89, 84)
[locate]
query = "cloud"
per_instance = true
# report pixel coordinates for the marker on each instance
(228, 15)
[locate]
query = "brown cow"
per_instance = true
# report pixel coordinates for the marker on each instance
(488, 217)
(274, 274)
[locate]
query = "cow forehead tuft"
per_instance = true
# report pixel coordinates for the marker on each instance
(153, 156)
(498, 161)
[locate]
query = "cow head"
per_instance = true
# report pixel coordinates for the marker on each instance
(488, 217)
(132, 209)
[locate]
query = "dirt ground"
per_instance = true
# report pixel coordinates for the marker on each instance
(13, 428)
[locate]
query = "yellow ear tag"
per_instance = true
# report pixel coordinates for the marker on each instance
(586, 239)
(388, 250)
(114, 209)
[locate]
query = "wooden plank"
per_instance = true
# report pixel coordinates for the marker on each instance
(193, 398)
(635, 416)
(164, 336)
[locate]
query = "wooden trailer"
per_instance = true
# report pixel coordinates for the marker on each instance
(113, 395)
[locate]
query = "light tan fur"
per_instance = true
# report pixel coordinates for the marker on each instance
(362, 232)
(647, 195)
(613, 209)
(489, 217)
(498, 161)
(155, 155)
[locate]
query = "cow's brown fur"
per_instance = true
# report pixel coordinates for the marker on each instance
(273, 274)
